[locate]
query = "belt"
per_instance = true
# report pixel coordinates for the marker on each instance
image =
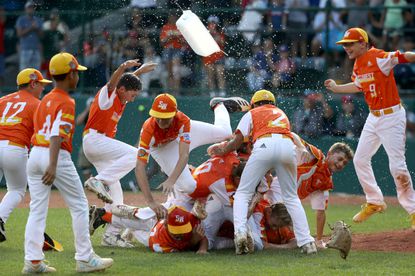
(386, 111)
(11, 143)
(90, 130)
(269, 135)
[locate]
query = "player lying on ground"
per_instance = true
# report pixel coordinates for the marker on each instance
(180, 231)
(314, 178)
(273, 148)
(111, 158)
(169, 135)
(385, 125)
(16, 129)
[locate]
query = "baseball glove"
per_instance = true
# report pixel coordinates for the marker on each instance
(341, 238)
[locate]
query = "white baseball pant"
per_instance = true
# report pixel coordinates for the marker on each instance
(201, 133)
(13, 162)
(389, 131)
(113, 160)
(141, 228)
(69, 185)
(277, 153)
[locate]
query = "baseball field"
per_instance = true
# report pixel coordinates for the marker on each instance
(384, 245)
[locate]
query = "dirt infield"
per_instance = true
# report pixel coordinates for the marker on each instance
(394, 241)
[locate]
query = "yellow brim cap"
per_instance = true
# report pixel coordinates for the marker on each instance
(178, 230)
(346, 41)
(161, 115)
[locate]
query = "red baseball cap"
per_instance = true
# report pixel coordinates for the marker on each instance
(354, 35)
(178, 220)
(164, 107)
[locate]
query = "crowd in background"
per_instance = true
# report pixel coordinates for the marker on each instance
(270, 42)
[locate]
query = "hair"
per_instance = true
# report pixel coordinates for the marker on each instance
(60, 77)
(23, 86)
(130, 82)
(281, 215)
(237, 172)
(344, 148)
(259, 103)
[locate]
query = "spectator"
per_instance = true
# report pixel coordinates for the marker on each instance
(284, 68)
(410, 124)
(53, 42)
(350, 121)
(309, 121)
(215, 63)
(29, 31)
(297, 26)
(358, 15)
(409, 26)
(394, 22)
(277, 20)
(376, 20)
(136, 27)
(172, 42)
(61, 26)
(251, 20)
(148, 8)
(156, 75)
(2, 48)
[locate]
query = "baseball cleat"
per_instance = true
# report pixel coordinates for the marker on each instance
(95, 263)
(99, 188)
(250, 245)
(241, 243)
(368, 209)
(41, 267)
(112, 240)
(232, 104)
(2, 231)
(309, 248)
(199, 210)
(413, 221)
(95, 218)
(124, 211)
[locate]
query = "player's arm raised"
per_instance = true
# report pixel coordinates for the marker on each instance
(145, 68)
(342, 88)
(116, 76)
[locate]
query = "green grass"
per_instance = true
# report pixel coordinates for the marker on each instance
(140, 261)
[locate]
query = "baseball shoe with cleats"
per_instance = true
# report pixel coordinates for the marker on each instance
(95, 263)
(95, 218)
(368, 209)
(41, 267)
(124, 211)
(2, 231)
(199, 210)
(112, 240)
(241, 243)
(99, 188)
(232, 104)
(250, 245)
(309, 248)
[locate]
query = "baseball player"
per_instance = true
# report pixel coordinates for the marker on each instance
(50, 164)
(314, 178)
(180, 231)
(385, 125)
(112, 159)
(169, 135)
(16, 129)
(273, 148)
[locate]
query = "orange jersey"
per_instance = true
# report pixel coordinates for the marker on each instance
(153, 136)
(55, 116)
(106, 110)
(171, 41)
(262, 120)
(160, 241)
(16, 122)
(281, 235)
(373, 74)
(314, 179)
(216, 171)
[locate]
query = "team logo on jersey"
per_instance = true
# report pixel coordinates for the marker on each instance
(179, 219)
(66, 128)
(17, 97)
(162, 105)
(141, 153)
(33, 76)
(366, 77)
(186, 137)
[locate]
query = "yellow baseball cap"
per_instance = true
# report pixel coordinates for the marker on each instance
(354, 35)
(30, 74)
(262, 95)
(64, 63)
(164, 106)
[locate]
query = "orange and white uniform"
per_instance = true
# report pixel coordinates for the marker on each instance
(161, 242)
(111, 158)
(281, 235)
(55, 117)
(385, 125)
(273, 148)
(16, 129)
(163, 144)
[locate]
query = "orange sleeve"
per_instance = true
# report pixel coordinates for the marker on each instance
(64, 122)
(145, 139)
(184, 134)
